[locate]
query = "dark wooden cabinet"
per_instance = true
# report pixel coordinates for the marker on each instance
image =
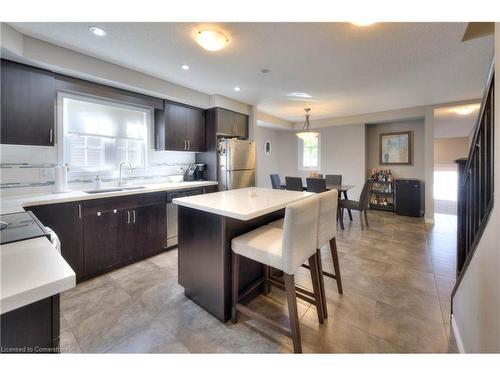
(27, 105)
(67, 221)
(149, 229)
(231, 124)
(34, 328)
(195, 129)
(104, 239)
(179, 128)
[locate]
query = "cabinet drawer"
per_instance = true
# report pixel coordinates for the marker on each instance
(91, 207)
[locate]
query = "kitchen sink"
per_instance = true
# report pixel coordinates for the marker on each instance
(111, 190)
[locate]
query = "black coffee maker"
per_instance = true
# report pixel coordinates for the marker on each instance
(198, 172)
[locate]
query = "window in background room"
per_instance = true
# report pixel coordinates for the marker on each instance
(309, 153)
(99, 134)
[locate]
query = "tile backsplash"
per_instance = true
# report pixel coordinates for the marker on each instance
(29, 170)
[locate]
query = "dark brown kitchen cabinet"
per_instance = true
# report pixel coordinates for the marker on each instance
(149, 227)
(229, 123)
(27, 105)
(106, 243)
(179, 128)
(67, 221)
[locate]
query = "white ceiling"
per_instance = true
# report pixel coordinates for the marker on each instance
(347, 69)
(447, 123)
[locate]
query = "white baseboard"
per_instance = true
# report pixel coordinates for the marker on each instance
(429, 221)
(456, 332)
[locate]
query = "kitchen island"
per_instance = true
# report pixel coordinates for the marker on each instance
(207, 224)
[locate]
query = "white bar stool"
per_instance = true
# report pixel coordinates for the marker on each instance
(286, 250)
(327, 232)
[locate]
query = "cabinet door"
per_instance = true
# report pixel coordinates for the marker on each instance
(159, 130)
(240, 125)
(150, 229)
(175, 127)
(104, 239)
(225, 122)
(195, 129)
(28, 97)
(66, 220)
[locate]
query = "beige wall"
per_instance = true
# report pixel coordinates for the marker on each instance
(417, 168)
(476, 306)
(447, 150)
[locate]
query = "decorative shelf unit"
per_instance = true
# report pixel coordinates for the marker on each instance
(382, 191)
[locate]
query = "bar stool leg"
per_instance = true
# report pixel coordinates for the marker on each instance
(292, 311)
(322, 282)
(336, 265)
(313, 268)
(235, 285)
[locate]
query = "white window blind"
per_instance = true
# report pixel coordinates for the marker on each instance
(309, 153)
(99, 134)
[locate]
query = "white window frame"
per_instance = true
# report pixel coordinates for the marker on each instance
(61, 131)
(301, 154)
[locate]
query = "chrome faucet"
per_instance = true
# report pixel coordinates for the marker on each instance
(130, 168)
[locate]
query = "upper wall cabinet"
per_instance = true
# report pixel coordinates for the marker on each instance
(179, 128)
(229, 123)
(28, 100)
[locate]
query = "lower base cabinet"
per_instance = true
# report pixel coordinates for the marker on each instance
(33, 328)
(102, 234)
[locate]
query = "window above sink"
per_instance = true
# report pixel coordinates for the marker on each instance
(98, 134)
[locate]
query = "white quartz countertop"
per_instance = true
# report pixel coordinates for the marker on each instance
(17, 203)
(242, 204)
(31, 270)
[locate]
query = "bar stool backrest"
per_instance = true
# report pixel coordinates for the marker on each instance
(300, 233)
(327, 220)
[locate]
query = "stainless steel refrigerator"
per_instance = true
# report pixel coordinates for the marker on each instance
(236, 164)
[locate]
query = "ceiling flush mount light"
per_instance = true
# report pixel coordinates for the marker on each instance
(185, 67)
(211, 40)
(465, 110)
(307, 132)
(97, 31)
(236, 88)
(302, 95)
(362, 23)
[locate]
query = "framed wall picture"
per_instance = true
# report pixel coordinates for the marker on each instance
(267, 148)
(395, 148)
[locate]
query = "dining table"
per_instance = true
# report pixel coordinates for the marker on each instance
(342, 189)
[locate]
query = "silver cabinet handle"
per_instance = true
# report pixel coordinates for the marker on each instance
(184, 144)
(128, 217)
(79, 211)
(51, 135)
(236, 126)
(189, 144)
(133, 216)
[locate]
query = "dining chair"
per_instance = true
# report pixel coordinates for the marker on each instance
(333, 179)
(361, 205)
(285, 250)
(275, 181)
(336, 179)
(294, 183)
(316, 185)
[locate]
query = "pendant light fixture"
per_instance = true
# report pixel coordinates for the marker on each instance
(307, 132)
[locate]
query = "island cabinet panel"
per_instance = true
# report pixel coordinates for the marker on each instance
(27, 110)
(33, 328)
(205, 257)
(66, 219)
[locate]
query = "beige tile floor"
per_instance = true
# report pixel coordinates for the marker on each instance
(397, 278)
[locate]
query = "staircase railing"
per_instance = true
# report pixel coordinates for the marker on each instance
(475, 187)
